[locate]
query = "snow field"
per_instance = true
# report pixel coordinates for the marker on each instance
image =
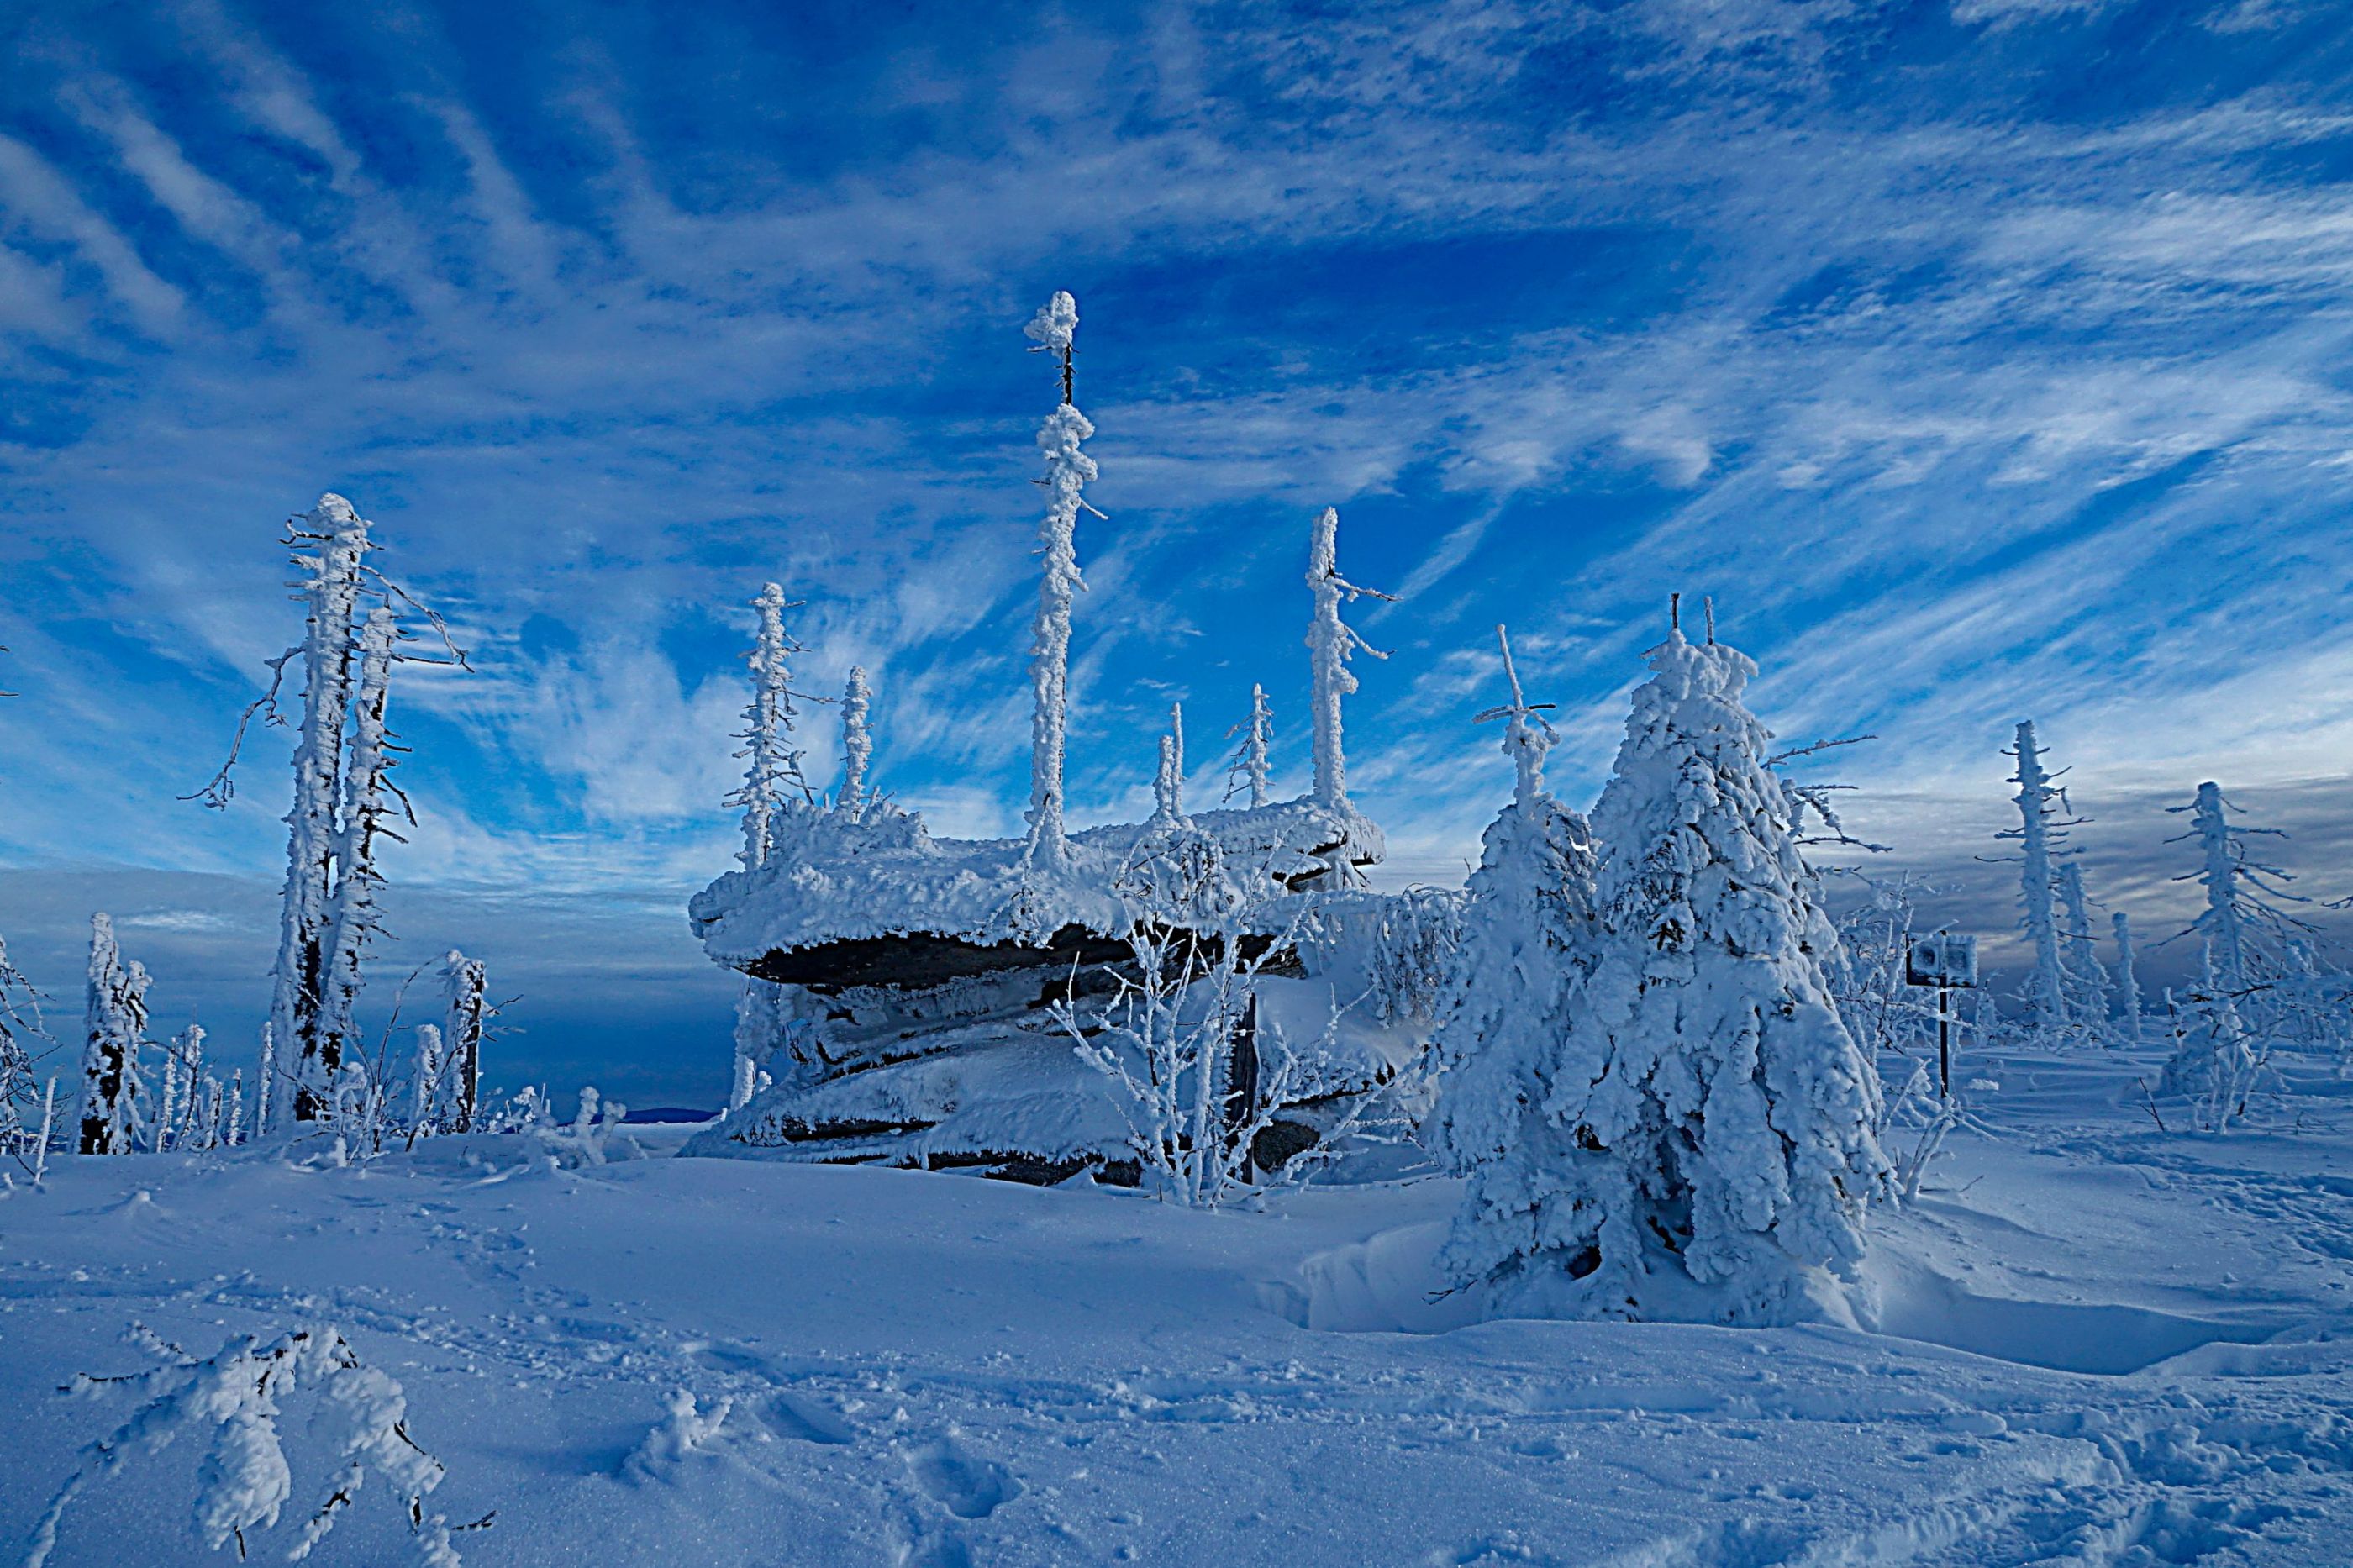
(2104, 1344)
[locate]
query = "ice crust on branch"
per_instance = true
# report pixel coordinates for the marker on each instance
(233, 1402)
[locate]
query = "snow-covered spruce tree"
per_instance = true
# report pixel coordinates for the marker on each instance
(857, 741)
(466, 985)
(337, 538)
(1247, 769)
(1330, 641)
(115, 1031)
(2127, 977)
(773, 786)
(1054, 332)
(1714, 1152)
(354, 920)
(1528, 940)
(2087, 982)
(2041, 830)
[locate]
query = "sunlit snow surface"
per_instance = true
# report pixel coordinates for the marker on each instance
(2119, 1346)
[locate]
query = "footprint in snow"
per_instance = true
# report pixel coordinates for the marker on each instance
(959, 1480)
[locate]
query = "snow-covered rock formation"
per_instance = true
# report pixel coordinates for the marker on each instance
(914, 977)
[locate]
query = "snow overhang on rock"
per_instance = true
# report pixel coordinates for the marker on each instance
(869, 898)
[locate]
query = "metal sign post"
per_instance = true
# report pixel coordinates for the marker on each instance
(1948, 962)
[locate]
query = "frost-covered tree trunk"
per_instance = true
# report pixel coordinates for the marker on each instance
(465, 983)
(426, 1113)
(332, 587)
(1330, 641)
(1248, 767)
(114, 1029)
(355, 919)
(2127, 978)
(1707, 1147)
(1069, 470)
(1529, 938)
(2047, 988)
(265, 1083)
(1168, 784)
(2219, 923)
(857, 741)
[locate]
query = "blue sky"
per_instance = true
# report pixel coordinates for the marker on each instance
(1984, 360)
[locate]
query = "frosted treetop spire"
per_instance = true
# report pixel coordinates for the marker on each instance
(1055, 330)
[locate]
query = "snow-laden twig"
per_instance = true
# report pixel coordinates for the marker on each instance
(233, 1402)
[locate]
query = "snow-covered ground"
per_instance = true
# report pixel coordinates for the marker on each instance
(2107, 1344)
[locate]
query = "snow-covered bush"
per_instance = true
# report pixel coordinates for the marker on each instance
(1197, 1071)
(233, 1403)
(1703, 1121)
(1415, 952)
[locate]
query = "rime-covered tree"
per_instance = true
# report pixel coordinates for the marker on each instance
(1054, 332)
(1247, 770)
(20, 1025)
(857, 740)
(2127, 977)
(331, 548)
(2079, 953)
(773, 786)
(2263, 985)
(772, 782)
(1528, 939)
(463, 1031)
(1710, 1150)
(1168, 783)
(327, 908)
(2042, 825)
(354, 919)
(1330, 642)
(2242, 924)
(115, 1020)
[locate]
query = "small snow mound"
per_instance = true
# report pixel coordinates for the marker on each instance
(1387, 1284)
(686, 1430)
(2098, 1339)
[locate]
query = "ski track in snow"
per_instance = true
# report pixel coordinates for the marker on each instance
(933, 1371)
